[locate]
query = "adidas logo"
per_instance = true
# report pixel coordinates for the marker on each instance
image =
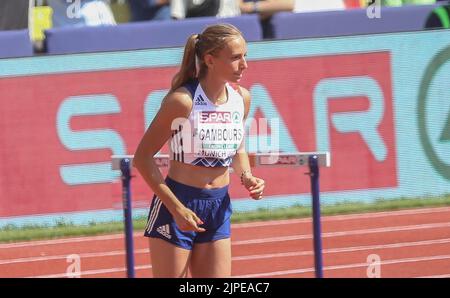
(165, 231)
(200, 101)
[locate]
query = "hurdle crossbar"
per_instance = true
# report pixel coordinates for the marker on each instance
(256, 159)
(313, 160)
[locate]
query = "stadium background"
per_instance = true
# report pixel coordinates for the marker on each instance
(78, 110)
(379, 103)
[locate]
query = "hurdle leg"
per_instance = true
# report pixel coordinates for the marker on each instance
(314, 175)
(126, 201)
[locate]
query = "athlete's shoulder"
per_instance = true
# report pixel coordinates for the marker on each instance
(245, 94)
(191, 86)
(239, 89)
(179, 99)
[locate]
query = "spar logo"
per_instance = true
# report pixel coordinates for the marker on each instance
(343, 105)
(215, 117)
(434, 113)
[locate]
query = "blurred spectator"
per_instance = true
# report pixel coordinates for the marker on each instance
(355, 3)
(229, 8)
(191, 8)
(181, 9)
(318, 5)
(266, 8)
(272, 6)
(81, 13)
(143, 10)
(13, 14)
(439, 18)
(406, 2)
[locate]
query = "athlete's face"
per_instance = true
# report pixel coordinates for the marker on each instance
(230, 63)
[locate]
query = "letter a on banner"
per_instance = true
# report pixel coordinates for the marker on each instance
(279, 139)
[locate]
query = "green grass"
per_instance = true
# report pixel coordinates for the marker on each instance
(66, 229)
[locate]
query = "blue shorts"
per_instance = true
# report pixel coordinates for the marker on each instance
(212, 206)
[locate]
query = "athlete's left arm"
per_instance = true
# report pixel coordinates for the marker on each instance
(241, 163)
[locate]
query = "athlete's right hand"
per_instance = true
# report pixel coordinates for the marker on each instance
(187, 220)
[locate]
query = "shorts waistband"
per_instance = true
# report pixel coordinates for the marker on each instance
(200, 193)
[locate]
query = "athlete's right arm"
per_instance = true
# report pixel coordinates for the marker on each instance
(177, 104)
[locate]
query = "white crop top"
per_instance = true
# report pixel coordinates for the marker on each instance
(212, 134)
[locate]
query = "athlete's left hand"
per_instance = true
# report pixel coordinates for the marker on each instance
(255, 186)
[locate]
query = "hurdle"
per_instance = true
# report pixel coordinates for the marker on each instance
(313, 160)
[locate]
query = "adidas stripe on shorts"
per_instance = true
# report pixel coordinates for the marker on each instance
(212, 206)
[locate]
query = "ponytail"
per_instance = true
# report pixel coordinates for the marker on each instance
(210, 41)
(187, 69)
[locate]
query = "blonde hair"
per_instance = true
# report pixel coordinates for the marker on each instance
(210, 41)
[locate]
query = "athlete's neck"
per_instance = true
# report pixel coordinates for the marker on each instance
(215, 90)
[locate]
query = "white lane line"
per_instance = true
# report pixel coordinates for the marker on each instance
(92, 272)
(259, 240)
(234, 226)
(435, 276)
(247, 257)
(63, 257)
(345, 233)
(344, 249)
(66, 240)
(267, 274)
(347, 266)
(331, 218)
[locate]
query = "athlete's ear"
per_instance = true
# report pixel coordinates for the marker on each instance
(209, 60)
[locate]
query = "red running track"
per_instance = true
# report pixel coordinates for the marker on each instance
(408, 243)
